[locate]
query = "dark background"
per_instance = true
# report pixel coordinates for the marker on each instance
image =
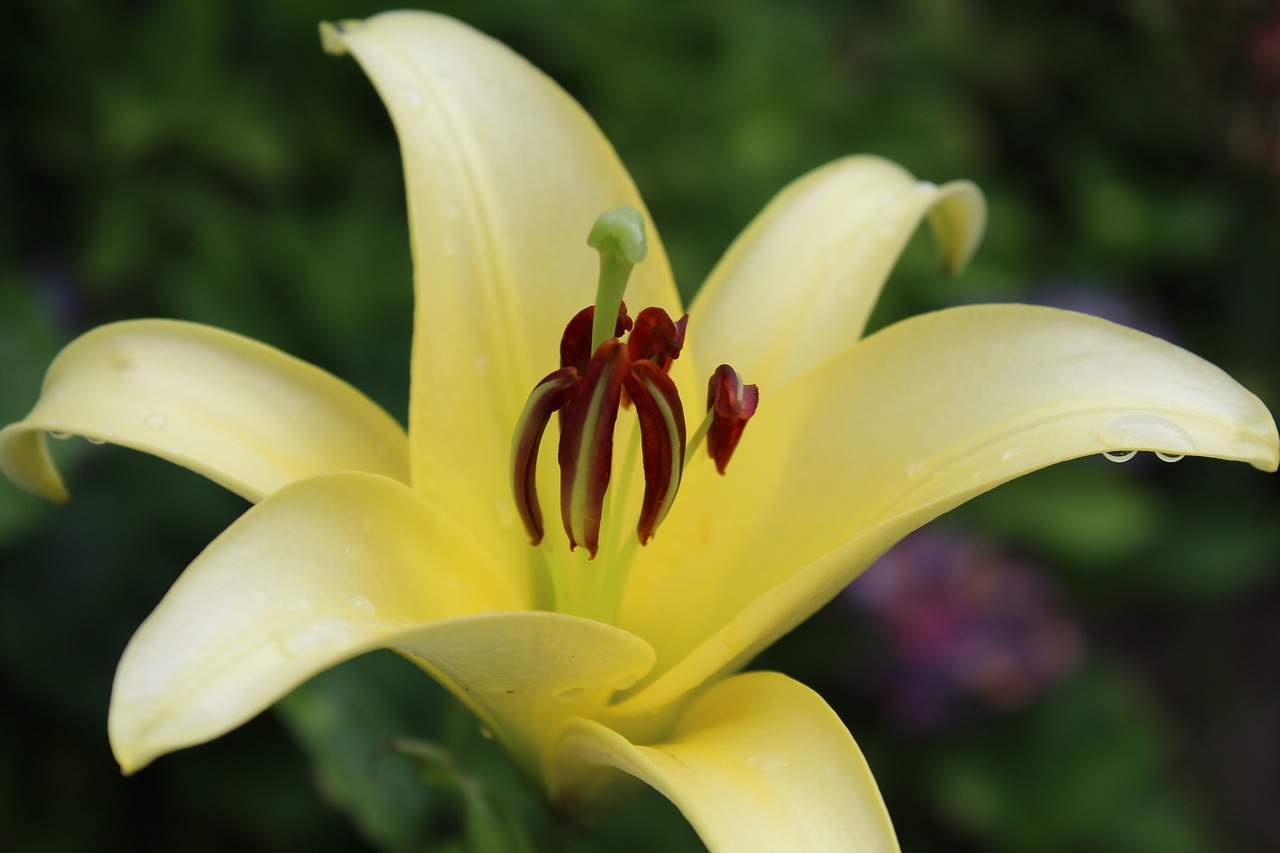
(1084, 660)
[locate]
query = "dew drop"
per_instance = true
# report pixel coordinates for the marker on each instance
(767, 762)
(352, 552)
(366, 524)
(1170, 457)
(361, 604)
(414, 97)
(1143, 429)
(1011, 453)
(61, 436)
(93, 440)
(301, 603)
(926, 187)
(570, 693)
(482, 363)
(1120, 455)
(915, 468)
(157, 421)
(317, 637)
(486, 733)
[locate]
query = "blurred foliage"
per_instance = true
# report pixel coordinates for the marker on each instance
(204, 160)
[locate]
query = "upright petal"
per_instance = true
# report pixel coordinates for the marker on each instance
(242, 413)
(506, 175)
(757, 762)
(895, 431)
(798, 284)
(318, 572)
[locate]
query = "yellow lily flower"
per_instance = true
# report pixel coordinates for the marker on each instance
(592, 671)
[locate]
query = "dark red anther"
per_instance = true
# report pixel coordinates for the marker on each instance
(732, 404)
(656, 338)
(662, 441)
(575, 344)
(586, 443)
(553, 392)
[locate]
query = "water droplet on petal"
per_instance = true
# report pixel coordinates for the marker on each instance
(915, 468)
(61, 436)
(486, 733)
(1170, 457)
(1011, 453)
(157, 421)
(414, 97)
(926, 187)
(1144, 429)
(1120, 455)
(300, 603)
(318, 637)
(361, 604)
(352, 552)
(570, 693)
(93, 440)
(767, 762)
(366, 525)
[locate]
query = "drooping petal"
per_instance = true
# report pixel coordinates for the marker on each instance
(757, 762)
(506, 175)
(318, 572)
(798, 284)
(527, 674)
(240, 412)
(902, 427)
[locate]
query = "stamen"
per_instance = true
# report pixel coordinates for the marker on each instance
(662, 437)
(550, 394)
(619, 238)
(586, 444)
(655, 338)
(730, 404)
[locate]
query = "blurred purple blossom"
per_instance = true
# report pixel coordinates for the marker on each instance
(963, 626)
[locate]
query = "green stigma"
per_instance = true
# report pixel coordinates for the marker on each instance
(619, 238)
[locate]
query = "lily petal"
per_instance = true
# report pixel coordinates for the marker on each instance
(506, 175)
(240, 412)
(757, 762)
(527, 674)
(900, 428)
(799, 283)
(318, 572)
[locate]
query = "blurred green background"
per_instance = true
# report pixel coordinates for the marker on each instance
(206, 161)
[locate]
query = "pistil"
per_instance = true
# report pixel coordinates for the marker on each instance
(599, 374)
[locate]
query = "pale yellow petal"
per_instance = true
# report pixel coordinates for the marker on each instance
(897, 430)
(757, 762)
(527, 674)
(242, 413)
(319, 571)
(799, 283)
(506, 175)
